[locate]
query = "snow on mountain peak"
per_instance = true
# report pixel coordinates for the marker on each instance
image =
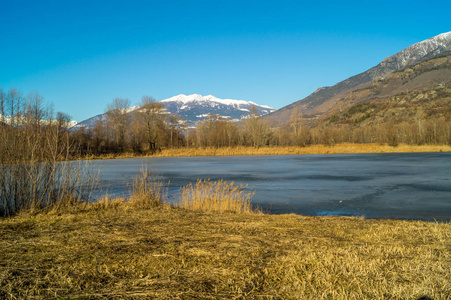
(185, 99)
(133, 108)
(432, 46)
(445, 36)
(182, 98)
(428, 48)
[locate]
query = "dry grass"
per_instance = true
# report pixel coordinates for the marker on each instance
(146, 190)
(315, 149)
(285, 150)
(216, 196)
(119, 251)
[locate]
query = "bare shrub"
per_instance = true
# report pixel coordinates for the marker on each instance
(216, 196)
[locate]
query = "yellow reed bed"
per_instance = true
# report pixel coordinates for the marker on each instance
(314, 149)
(216, 196)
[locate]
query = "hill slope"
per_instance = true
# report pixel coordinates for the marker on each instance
(316, 105)
(424, 87)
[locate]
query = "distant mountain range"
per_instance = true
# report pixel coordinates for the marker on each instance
(195, 107)
(422, 70)
(328, 100)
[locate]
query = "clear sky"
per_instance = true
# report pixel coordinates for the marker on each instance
(80, 55)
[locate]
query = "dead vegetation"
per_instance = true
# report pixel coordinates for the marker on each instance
(120, 251)
(146, 190)
(338, 148)
(216, 196)
(313, 149)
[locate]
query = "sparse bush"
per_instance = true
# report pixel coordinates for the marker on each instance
(216, 196)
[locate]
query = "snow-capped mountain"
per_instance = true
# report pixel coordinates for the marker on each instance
(195, 107)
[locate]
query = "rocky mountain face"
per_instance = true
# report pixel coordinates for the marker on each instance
(195, 107)
(317, 105)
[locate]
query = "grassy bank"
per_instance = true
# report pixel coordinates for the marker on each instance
(122, 251)
(314, 149)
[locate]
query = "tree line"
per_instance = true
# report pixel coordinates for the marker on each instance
(255, 131)
(150, 128)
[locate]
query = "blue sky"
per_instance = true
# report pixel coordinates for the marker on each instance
(80, 55)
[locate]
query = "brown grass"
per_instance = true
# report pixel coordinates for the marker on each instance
(315, 149)
(146, 190)
(285, 150)
(216, 196)
(124, 252)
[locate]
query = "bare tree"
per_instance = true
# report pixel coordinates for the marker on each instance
(176, 126)
(151, 114)
(2, 106)
(420, 123)
(118, 120)
(100, 138)
(14, 105)
(256, 128)
(136, 134)
(35, 112)
(296, 121)
(296, 124)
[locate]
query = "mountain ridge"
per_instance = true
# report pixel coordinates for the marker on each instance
(314, 105)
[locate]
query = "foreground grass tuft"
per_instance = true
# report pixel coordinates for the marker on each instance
(216, 196)
(120, 251)
(146, 190)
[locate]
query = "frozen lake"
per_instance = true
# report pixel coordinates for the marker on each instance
(400, 186)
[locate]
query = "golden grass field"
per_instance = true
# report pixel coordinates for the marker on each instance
(214, 245)
(117, 250)
(287, 150)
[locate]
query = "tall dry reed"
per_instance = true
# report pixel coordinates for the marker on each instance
(216, 196)
(43, 184)
(33, 149)
(146, 190)
(296, 150)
